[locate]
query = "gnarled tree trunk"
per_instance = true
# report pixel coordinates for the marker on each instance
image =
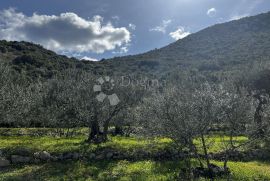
(258, 116)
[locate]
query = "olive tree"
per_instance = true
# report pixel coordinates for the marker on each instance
(98, 105)
(256, 82)
(236, 118)
(57, 108)
(17, 99)
(184, 114)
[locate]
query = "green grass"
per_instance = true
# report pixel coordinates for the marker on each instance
(77, 144)
(217, 143)
(126, 170)
(113, 169)
(249, 171)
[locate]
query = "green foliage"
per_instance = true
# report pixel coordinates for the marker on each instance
(35, 62)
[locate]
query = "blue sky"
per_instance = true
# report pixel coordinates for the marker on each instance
(107, 28)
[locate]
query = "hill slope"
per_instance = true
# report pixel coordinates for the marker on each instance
(232, 41)
(217, 48)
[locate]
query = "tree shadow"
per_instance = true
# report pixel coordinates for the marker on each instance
(66, 170)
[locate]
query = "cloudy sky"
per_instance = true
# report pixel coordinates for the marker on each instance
(95, 29)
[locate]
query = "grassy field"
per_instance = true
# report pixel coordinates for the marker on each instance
(113, 169)
(126, 170)
(77, 143)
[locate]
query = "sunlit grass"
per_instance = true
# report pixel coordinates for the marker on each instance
(249, 171)
(47, 143)
(115, 170)
(217, 143)
(78, 144)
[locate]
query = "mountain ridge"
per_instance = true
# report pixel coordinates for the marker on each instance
(216, 48)
(215, 41)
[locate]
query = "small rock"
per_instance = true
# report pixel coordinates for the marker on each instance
(218, 171)
(22, 152)
(84, 159)
(20, 159)
(92, 156)
(4, 162)
(125, 155)
(44, 156)
(174, 152)
(54, 158)
(60, 157)
(76, 156)
(36, 161)
(67, 156)
(200, 172)
(36, 155)
(117, 155)
(109, 155)
(100, 157)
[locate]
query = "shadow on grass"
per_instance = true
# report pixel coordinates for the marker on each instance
(100, 170)
(123, 170)
(55, 171)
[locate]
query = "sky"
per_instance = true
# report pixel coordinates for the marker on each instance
(96, 29)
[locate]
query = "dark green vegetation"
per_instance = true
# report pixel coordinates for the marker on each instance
(223, 47)
(215, 105)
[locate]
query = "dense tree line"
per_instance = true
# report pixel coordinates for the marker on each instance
(190, 106)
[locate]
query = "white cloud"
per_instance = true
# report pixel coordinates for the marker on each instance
(179, 33)
(121, 51)
(162, 28)
(89, 58)
(211, 12)
(132, 26)
(237, 16)
(64, 33)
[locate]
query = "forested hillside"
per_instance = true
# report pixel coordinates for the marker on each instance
(222, 47)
